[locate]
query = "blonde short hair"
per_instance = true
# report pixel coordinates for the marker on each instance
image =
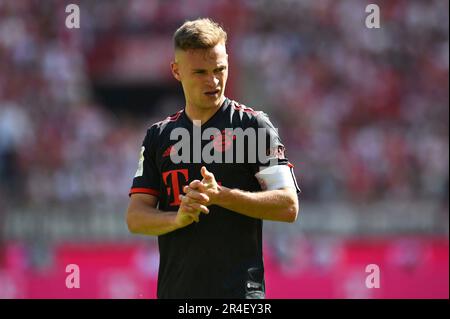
(199, 34)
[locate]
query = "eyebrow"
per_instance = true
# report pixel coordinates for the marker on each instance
(222, 66)
(204, 70)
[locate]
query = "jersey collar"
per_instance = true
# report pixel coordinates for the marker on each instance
(213, 118)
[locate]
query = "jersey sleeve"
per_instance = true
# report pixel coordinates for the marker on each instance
(274, 171)
(147, 177)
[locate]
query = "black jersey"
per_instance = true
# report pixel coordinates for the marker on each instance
(221, 256)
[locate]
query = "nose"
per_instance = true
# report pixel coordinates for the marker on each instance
(213, 81)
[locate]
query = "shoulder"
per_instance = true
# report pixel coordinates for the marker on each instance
(159, 128)
(250, 115)
(244, 109)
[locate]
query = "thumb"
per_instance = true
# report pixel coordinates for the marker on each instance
(206, 174)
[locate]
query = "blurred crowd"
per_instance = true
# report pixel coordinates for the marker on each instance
(363, 112)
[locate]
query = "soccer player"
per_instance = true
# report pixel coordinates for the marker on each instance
(208, 215)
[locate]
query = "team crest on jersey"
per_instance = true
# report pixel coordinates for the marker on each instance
(223, 140)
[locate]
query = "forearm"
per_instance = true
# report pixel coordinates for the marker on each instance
(276, 205)
(151, 221)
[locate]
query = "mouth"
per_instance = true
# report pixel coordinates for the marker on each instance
(212, 93)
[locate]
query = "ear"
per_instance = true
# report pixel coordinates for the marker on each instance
(175, 70)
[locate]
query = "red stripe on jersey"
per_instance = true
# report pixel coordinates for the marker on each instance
(142, 190)
(240, 107)
(174, 117)
(290, 165)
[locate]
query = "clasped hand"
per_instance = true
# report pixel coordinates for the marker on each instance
(198, 196)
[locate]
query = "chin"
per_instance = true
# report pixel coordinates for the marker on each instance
(209, 104)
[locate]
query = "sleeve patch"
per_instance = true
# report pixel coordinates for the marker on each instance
(140, 169)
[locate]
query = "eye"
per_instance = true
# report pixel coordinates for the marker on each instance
(199, 72)
(220, 69)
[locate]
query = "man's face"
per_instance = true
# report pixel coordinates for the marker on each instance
(203, 74)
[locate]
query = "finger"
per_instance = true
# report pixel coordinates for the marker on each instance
(206, 174)
(187, 189)
(189, 210)
(183, 199)
(186, 200)
(197, 185)
(200, 207)
(196, 196)
(186, 208)
(194, 183)
(196, 207)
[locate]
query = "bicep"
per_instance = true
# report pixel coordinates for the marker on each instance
(291, 193)
(142, 201)
(141, 207)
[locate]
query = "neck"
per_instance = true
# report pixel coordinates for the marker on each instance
(195, 113)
